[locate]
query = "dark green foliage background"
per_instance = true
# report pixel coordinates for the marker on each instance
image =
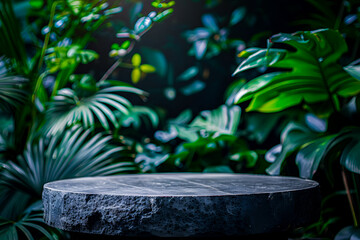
(130, 92)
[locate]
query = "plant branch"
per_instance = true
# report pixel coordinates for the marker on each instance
(348, 194)
(356, 186)
(47, 37)
(43, 51)
(111, 70)
(38, 84)
(119, 61)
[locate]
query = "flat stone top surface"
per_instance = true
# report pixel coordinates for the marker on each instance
(181, 204)
(181, 184)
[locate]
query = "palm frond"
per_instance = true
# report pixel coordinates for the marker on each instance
(11, 95)
(223, 120)
(30, 220)
(73, 154)
(13, 46)
(67, 108)
(15, 201)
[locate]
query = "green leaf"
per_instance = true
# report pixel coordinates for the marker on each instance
(314, 75)
(11, 40)
(61, 156)
(75, 5)
(354, 71)
(194, 87)
(187, 134)
(149, 163)
(158, 4)
(136, 60)
(260, 58)
(125, 45)
(113, 11)
(139, 114)
(250, 157)
(161, 16)
(309, 157)
(157, 59)
(135, 11)
(347, 143)
(348, 233)
(224, 120)
(351, 155)
(146, 68)
(155, 4)
(258, 129)
(64, 57)
(36, 3)
(68, 109)
(292, 138)
(188, 74)
(209, 22)
(142, 24)
(183, 118)
(237, 15)
(115, 46)
(135, 75)
(200, 48)
(314, 123)
(233, 89)
(11, 94)
(25, 224)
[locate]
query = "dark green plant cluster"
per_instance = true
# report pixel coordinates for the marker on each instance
(58, 122)
(306, 92)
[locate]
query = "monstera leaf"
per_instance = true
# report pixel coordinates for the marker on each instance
(312, 148)
(313, 75)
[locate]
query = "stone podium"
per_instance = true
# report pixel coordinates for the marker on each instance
(181, 205)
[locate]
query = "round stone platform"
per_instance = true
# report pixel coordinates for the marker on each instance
(181, 205)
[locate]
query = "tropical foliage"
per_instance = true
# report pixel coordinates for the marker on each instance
(310, 79)
(315, 80)
(68, 107)
(208, 143)
(55, 122)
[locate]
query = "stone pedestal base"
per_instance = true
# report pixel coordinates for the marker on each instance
(181, 205)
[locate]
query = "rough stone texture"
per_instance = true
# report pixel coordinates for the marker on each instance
(181, 205)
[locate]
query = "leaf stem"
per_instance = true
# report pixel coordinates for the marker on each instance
(119, 61)
(43, 51)
(348, 194)
(340, 15)
(127, 65)
(37, 86)
(356, 186)
(111, 70)
(47, 37)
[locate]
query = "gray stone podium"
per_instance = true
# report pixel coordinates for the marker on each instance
(181, 205)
